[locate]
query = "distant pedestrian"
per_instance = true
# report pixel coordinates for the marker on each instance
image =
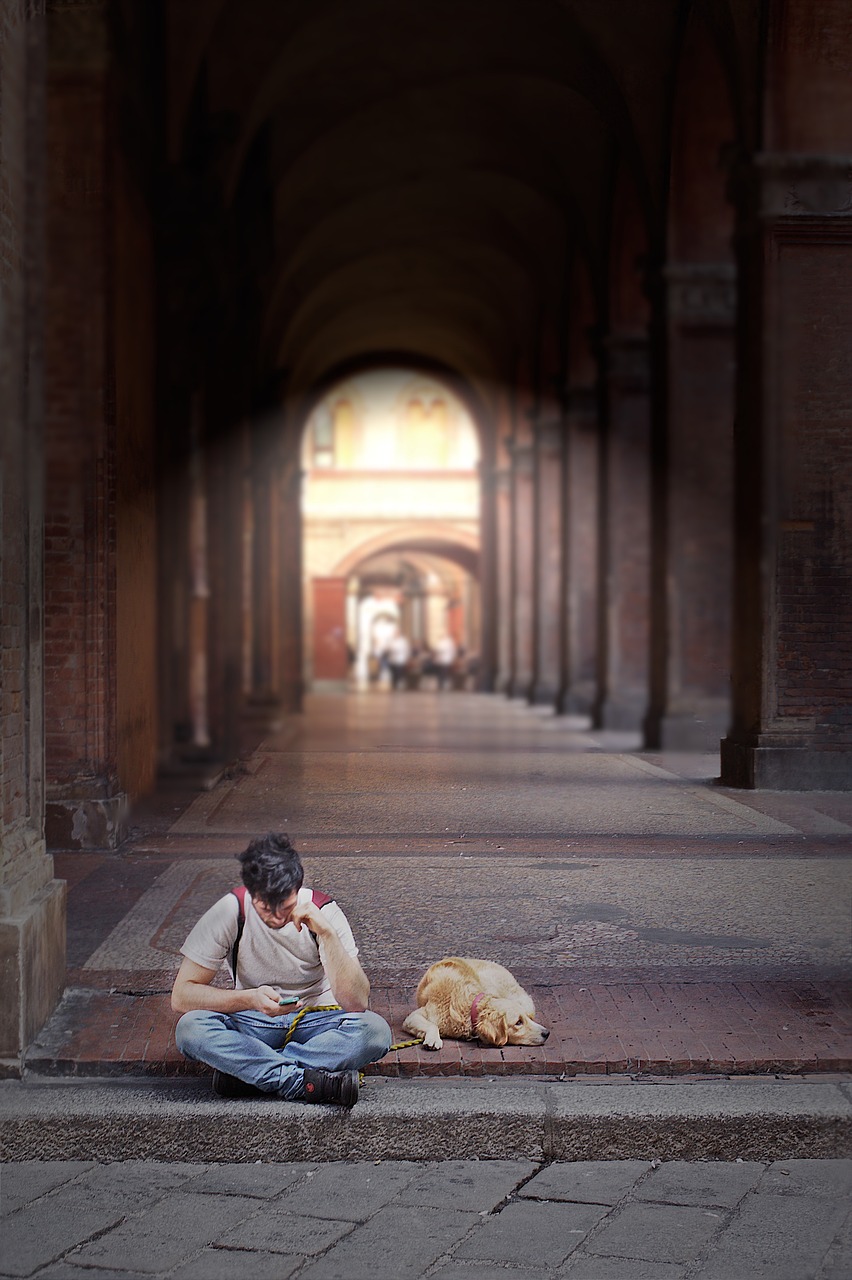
(399, 652)
(296, 951)
(444, 656)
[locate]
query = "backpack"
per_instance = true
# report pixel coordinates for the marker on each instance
(319, 900)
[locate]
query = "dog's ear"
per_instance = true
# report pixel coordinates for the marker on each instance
(492, 1026)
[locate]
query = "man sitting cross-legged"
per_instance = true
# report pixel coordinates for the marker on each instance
(295, 950)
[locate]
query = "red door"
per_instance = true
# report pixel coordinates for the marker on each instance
(331, 661)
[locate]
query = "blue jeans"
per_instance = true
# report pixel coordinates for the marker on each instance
(250, 1045)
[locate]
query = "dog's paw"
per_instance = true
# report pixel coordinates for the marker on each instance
(432, 1040)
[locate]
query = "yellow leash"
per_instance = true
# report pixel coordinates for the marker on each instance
(329, 1008)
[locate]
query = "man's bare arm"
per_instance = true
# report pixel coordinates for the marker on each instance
(192, 990)
(347, 979)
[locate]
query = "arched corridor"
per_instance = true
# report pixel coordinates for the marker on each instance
(614, 237)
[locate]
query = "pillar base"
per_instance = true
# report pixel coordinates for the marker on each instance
(686, 730)
(32, 964)
(541, 694)
(579, 700)
(80, 822)
(784, 768)
(519, 687)
(619, 712)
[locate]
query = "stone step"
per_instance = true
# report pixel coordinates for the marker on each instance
(748, 1118)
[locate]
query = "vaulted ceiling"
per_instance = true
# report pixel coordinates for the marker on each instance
(431, 169)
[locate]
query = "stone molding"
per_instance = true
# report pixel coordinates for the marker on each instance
(702, 294)
(523, 458)
(628, 361)
(549, 434)
(582, 403)
(78, 35)
(796, 186)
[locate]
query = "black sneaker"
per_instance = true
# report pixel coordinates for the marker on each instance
(232, 1087)
(331, 1086)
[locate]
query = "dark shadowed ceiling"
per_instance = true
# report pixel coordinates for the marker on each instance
(430, 170)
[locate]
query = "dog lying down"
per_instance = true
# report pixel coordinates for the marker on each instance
(466, 999)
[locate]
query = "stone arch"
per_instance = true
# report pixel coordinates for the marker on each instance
(449, 542)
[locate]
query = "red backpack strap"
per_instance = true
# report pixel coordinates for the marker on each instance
(239, 893)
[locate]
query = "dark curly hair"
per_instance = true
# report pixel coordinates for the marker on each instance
(271, 868)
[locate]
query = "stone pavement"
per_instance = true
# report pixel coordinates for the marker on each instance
(457, 1220)
(688, 946)
(663, 925)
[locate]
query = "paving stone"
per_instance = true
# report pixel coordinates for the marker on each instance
(584, 1268)
(776, 1238)
(67, 1271)
(227, 1264)
(657, 1233)
(129, 1186)
(586, 1181)
(276, 1230)
(34, 1235)
(487, 1271)
(348, 1190)
(399, 1242)
(169, 1233)
(465, 1185)
(837, 1263)
(700, 1182)
(808, 1177)
(261, 1181)
(532, 1232)
(25, 1181)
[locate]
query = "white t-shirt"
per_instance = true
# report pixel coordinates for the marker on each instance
(287, 959)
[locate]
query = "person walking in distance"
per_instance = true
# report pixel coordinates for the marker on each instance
(290, 950)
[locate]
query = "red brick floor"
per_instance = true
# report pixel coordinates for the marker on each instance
(665, 1028)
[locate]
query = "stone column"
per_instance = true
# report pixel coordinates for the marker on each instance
(792, 713)
(486, 638)
(548, 445)
(623, 694)
(580, 482)
(264, 560)
(86, 805)
(503, 610)
(523, 569)
(32, 902)
(694, 506)
(287, 586)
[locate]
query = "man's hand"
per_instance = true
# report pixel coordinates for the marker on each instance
(347, 979)
(309, 914)
(193, 990)
(266, 1000)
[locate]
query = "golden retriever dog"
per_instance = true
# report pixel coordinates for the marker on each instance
(467, 999)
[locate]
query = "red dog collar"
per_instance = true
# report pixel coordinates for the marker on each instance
(474, 1009)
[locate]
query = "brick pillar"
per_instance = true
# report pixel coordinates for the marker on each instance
(578, 686)
(691, 697)
(86, 805)
(523, 569)
(225, 615)
(482, 609)
(502, 481)
(623, 696)
(288, 586)
(547, 596)
(32, 902)
(792, 714)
